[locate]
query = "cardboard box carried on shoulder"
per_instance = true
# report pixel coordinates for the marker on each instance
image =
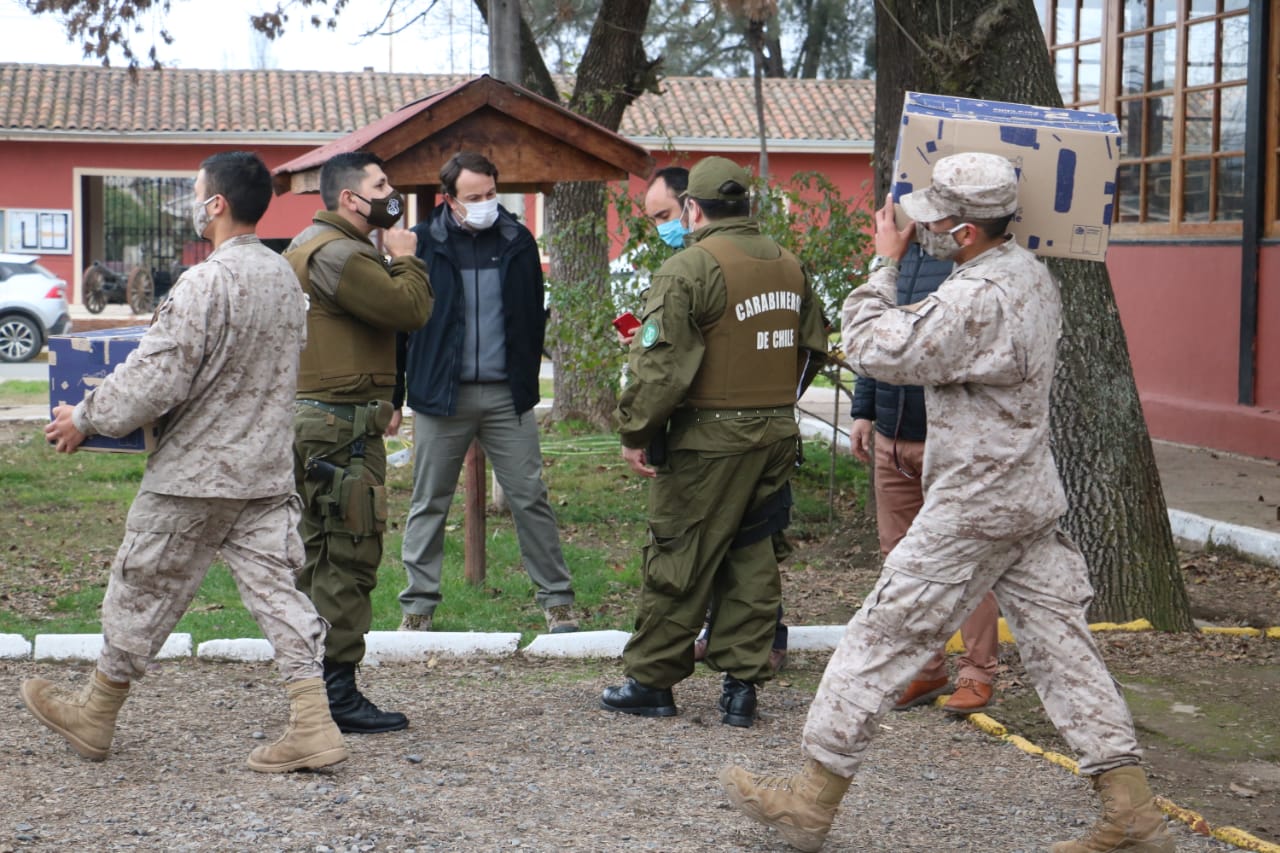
(79, 362)
(1066, 162)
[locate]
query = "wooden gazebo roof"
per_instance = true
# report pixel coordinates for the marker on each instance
(533, 141)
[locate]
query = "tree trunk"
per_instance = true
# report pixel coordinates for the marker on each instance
(755, 36)
(1117, 514)
(579, 337)
(614, 71)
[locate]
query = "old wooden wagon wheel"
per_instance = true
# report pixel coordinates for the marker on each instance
(95, 299)
(140, 291)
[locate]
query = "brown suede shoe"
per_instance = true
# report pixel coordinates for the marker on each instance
(970, 697)
(777, 659)
(921, 692)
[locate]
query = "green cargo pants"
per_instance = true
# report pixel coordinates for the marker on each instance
(696, 507)
(343, 518)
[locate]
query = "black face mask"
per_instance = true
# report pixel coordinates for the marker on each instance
(383, 212)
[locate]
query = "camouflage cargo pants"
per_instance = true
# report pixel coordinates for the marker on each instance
(929, 584)
(168, 546)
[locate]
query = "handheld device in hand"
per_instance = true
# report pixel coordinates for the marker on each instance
(626, 323)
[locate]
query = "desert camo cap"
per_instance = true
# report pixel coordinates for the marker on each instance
(971, 185)
(711, 173)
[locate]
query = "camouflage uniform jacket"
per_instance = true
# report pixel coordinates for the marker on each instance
(220, 365)
(984, 346)
(687, 294)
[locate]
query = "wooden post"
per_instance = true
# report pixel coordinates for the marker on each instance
(473, 520)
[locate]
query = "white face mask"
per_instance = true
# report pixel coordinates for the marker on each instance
(939, 244)
(481, 214)
(200, 218)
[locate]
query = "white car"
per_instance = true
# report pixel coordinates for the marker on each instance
(33, 306)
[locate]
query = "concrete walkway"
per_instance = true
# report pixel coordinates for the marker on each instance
(1213, 496)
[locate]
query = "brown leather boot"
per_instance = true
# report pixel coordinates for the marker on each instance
(312, 739)
(800, 807)
(87, 720)
(1130, 819)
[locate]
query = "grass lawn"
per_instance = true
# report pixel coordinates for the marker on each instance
(67, 516)
(24, 392)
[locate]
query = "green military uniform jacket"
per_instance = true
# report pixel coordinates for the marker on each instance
(358, 301)
(686, 298)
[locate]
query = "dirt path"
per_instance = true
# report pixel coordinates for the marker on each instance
(509, 755)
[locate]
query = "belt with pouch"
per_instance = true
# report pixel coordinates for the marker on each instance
(346, 411)
(688, 417)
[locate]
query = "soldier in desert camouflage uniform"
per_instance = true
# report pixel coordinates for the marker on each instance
(984, 347)
(218, 367)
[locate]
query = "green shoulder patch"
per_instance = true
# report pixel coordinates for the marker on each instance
(649, 334)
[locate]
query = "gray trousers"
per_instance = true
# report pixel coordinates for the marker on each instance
(510, 441)
(168, 545)
(930, 583)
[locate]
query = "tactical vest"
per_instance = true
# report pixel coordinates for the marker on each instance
(751, 350)
(341, 348)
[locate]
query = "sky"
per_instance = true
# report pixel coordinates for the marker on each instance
(215, 34)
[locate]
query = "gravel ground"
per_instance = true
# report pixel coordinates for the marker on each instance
(504, 755)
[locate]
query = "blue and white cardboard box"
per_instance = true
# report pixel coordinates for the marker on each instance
(1066, 162)
(80, 361)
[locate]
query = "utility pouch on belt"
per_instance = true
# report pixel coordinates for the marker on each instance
(656, 453)
(354, 503)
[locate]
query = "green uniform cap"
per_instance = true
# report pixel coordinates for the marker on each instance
(711, 173)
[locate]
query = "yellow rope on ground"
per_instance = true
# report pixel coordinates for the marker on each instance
(1244, 840)
(1198, 824)
(1233, 632)
(955, 645)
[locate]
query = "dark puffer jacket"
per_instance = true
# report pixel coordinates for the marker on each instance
(898, 410)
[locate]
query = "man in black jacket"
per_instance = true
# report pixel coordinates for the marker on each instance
(472, 373)
(897, 412)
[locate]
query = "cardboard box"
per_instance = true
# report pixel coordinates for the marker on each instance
(80, 361)
(1066, 162)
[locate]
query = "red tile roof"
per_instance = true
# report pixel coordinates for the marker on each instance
(307, 106)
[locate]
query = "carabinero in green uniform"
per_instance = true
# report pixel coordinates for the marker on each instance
(346, 378)
(728, 325)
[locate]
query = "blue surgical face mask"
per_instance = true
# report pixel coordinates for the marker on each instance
(672, 233)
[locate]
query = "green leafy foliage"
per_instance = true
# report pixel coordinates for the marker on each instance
(828, 231)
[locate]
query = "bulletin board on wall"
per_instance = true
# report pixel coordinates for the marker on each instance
(33, 231)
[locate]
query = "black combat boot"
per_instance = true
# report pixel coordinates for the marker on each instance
(353, 713)
(632, 697)
(738, 702)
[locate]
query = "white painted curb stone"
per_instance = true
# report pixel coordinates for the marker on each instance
(814, 638)
(246, 650)
(388, 646)
(87, 647)
(1259, 544)
(581, 644)
(14, 647)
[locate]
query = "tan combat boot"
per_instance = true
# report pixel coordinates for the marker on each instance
(800, 807)
(87, 720)
(312, 739)
(1130, 819)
